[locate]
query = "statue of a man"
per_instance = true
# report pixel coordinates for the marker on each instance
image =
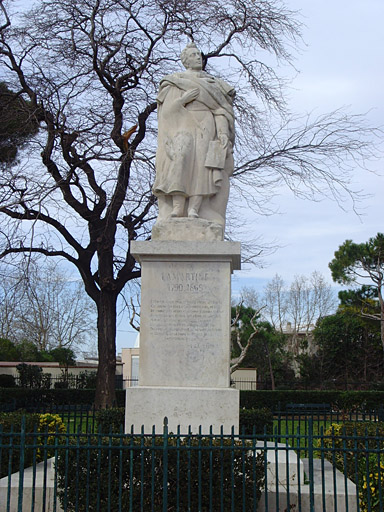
(194, 158)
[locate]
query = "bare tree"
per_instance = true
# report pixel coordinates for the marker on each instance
(300, 304)
(10, 299)
(90, 72)
(275, 302)
(41, 305)
(309, 299)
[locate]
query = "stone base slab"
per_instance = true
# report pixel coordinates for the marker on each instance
(187, 407)
(185, 228)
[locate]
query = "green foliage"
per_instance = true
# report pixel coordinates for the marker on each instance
(356, 450)
(31, 376)
(10, 459)
(111, 420)
(372, 481)
(255, 421)
(64, 356)
(46, 397)
(354, 261)
(18, 122)
(28, 351)
(7, 381)
(86, 380)
(137, 463)
(268, 347)
(349, 349)
(357, 298)
(8, 351)
(340, 400)
(41, 428)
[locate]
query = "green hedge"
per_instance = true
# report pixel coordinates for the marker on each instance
(26, 398)
(255, 421)
(111, 420)
(95, 473)
(341, 400)
(12, 422)
(7, 381)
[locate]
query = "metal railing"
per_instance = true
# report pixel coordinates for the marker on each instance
(326, 471)
(68, 381)
(244, 384)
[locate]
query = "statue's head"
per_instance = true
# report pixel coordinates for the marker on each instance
(191, 57)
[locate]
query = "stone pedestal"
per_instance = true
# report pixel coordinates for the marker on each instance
(184, 336)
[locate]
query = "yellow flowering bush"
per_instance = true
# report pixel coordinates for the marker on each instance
(354, 447)
(333, 441)
(49, 424)
(372, 484)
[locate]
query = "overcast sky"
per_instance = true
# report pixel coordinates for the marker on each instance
(341, 64)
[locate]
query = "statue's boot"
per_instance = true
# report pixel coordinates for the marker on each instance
(194, 206)
(178, 203)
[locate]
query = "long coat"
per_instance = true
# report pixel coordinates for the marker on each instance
(185, 133)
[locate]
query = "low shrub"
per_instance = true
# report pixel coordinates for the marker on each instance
(339, 400)
(10, 428)
(202, 474)
(7, 381)
(26, 398)
(356, 449)
(256, 421)
(49, 424)
(372, 482)
(111, 420)
(39, 430)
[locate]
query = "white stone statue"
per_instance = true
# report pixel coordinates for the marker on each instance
(194, 158)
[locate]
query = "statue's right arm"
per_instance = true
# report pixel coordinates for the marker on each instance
(189, 96)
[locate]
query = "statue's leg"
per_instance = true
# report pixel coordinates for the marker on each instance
(194, 206)
(165, 207)
(219, 201)
(178, 202)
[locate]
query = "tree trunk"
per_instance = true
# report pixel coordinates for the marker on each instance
(106, 330)
(270, 365)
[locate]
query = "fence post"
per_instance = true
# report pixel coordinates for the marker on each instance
(21, 467)
(165, 465)
(310, 461)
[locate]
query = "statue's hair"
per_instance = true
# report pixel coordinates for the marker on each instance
(184, 53)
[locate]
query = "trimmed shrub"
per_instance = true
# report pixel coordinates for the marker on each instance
(255, 421)
(340, 400)
(131, 468)
(7, 381)
(86, 380)
(27, 398)
(10, 454)
(39, 429)
(111, 420)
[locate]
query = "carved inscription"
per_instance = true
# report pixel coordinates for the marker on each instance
(185, 281)
(191, 313)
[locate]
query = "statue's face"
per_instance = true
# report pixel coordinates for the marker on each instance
(194, 60)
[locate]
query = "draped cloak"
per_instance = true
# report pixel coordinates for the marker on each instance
(186, 131)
